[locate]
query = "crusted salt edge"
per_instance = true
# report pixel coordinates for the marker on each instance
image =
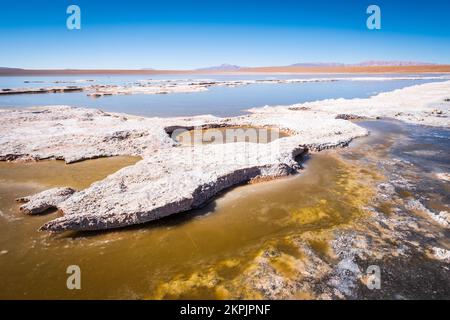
(153, 89)
(441, 254)
(442, 218)
(170, 178)
(41, 90)
(44, 200)
(426, 104)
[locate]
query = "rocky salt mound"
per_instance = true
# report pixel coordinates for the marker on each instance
(45, 200)
(40, 90)
(172, 178)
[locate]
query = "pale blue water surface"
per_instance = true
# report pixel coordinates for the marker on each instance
(219, 101)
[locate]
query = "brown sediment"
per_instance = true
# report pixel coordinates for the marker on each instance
(55, 173)
(320, 246)
(405, 194)
(385, 207)
(262, 180)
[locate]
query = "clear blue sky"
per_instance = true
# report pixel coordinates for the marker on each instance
(190, 34)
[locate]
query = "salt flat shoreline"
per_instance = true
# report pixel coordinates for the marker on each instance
(171, 178)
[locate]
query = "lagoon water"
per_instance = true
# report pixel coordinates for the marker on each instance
(219, 101)
(205, 253)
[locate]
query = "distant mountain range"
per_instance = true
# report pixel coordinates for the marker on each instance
(370, 66)
(222, 67)
(370, 63)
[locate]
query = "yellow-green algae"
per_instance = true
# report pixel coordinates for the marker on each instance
(310, 223)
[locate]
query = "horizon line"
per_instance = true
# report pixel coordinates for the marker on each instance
(421, 68)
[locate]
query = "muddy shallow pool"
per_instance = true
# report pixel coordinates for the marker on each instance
(228, 135)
